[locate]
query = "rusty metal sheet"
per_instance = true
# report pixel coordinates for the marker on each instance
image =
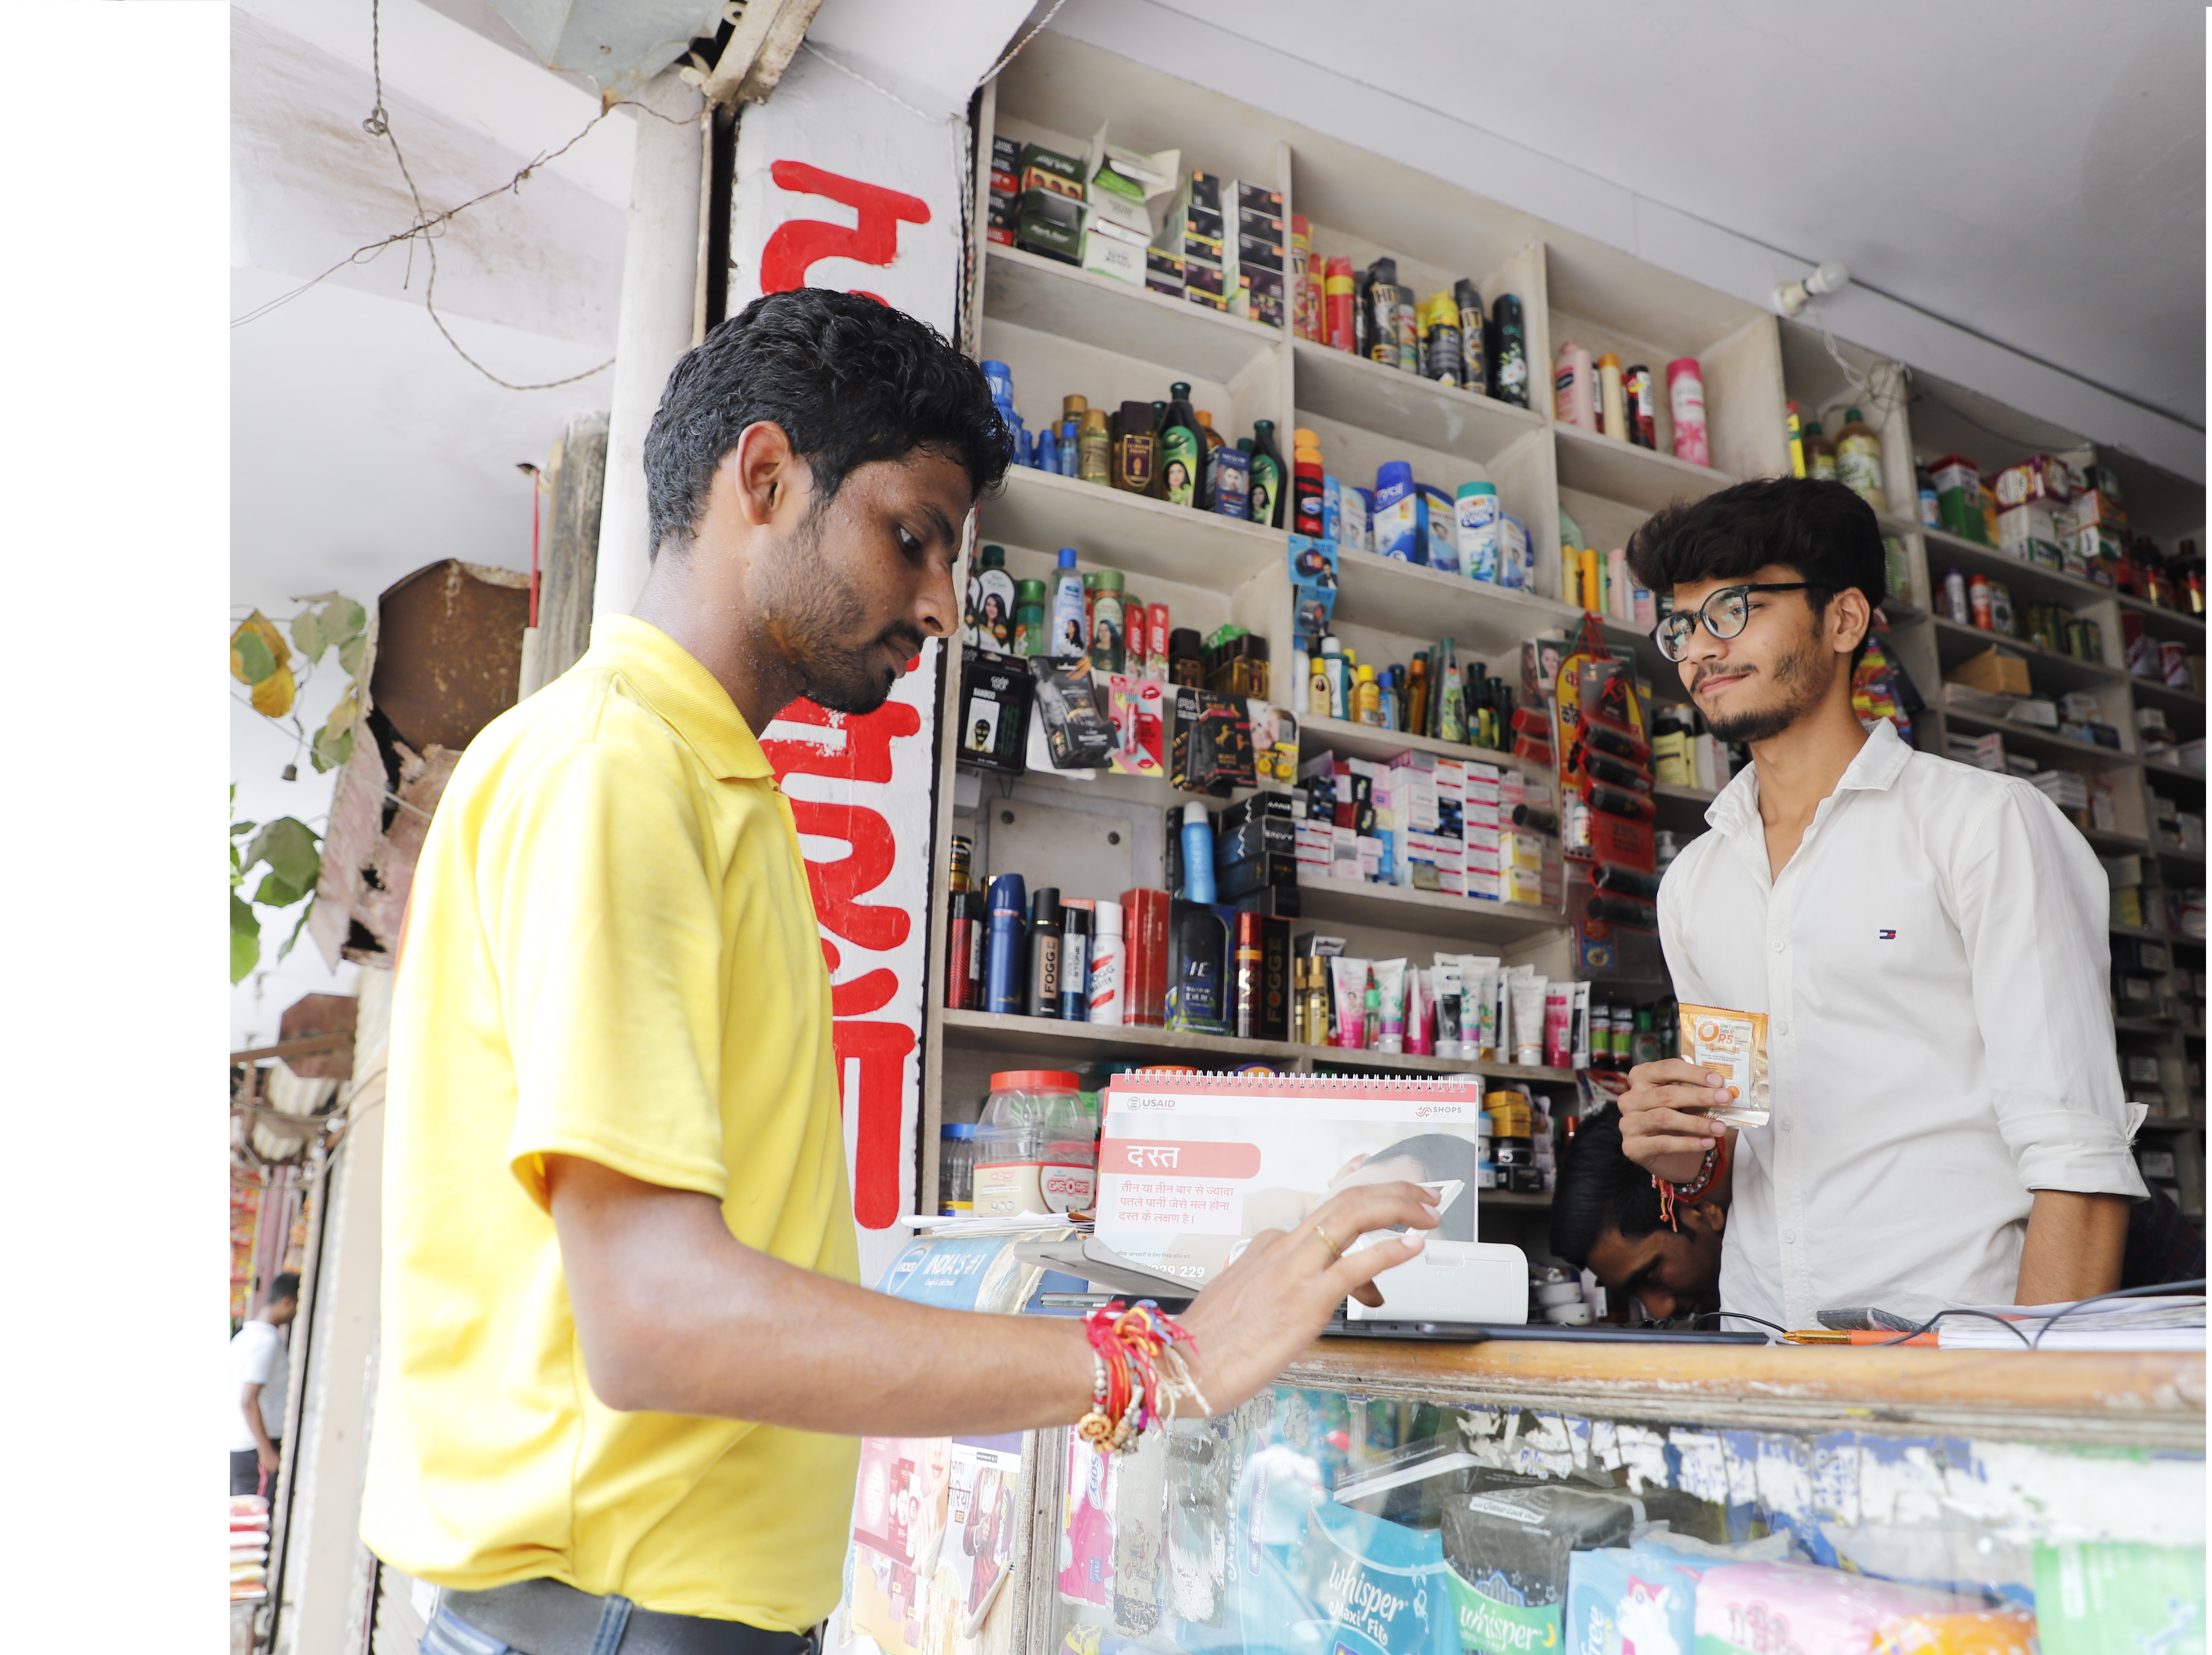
(448, 652)
(324, 1014)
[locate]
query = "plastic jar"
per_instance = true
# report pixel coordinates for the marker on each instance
(956, 1169)
(1036, 1147)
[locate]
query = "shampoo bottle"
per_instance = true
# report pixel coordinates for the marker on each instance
(1069, 641)
(1197, 854)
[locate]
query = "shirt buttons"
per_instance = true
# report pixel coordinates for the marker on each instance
(1787, 1122)
(1783, 1027)
(1789, 1238)
(1780, 945)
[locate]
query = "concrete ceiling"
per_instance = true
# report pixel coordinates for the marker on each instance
(2031, 171)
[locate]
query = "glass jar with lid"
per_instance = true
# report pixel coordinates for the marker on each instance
(956, 1169)
(1036, 1146)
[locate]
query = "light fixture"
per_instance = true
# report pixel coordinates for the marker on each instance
(1790, 297)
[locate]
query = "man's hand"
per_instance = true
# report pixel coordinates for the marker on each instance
(1663, 1128)
(1271, 1303)
(266, 1453)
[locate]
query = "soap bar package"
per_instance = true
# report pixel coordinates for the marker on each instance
(994, 712)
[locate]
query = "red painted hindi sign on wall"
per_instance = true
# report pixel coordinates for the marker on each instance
(832, 190)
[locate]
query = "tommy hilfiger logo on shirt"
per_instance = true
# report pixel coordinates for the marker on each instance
(1887, 936)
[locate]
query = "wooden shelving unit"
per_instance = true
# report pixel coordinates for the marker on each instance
(1061, 331)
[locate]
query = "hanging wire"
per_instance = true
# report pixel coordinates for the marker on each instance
(428, 226)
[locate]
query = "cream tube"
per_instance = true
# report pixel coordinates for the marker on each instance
(1478, 1017)
(1390, 983)
(1528, 1021)
(1420, 1011)
(1449, 1002)
(1347, 981)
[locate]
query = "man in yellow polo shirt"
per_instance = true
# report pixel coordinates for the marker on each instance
(625, 1360)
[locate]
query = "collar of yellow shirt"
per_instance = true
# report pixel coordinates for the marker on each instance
(681, 691)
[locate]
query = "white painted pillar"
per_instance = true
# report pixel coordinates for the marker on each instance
(660, 274)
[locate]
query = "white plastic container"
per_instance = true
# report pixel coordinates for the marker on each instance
(1036, 1147)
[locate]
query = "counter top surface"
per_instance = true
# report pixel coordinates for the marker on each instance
(2153, 1399)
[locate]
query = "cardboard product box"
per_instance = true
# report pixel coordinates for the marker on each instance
(1994, 672)
(1005, 210)
(1258, 301)
(1210, 301)
(2092, 507)
(1005, 152)
(1202, 192)
(1134, 239)
(1036, 158)
(1313, 846)
(995, 696)
(1203, 276)
(1253, 253)
(1254, 199)
(2028, 530)
(1002, 233)
(1267, 227)
(1343, 854)
(1169, 287)
(2042, 478)
(1128, 217)
(1167, 266)
(1005, 180)
(1370, 857)
(1524, 886)
(1048, 240)
(1246, 837)
(1258, 873)
(1105, 255)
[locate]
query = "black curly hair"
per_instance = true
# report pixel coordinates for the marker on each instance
(1600, 1188)
(848, 378)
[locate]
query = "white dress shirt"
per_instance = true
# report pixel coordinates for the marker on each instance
(1934, 966)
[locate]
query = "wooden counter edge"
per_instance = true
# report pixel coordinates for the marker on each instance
(2139, 1383)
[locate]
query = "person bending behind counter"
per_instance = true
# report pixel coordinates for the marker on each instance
(1927, 941)
(1606, 1219)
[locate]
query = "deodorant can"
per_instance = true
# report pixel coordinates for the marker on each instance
(1106, 962)
(963, 951)
(1075, 964)
(1005, 952)
(1042, 996)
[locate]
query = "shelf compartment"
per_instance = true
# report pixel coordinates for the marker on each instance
(2172, 696)
(1109, 528)
(1379, 745)
(2162, 623)
(2029, 583)
(1622, 472)
(2047, 669)
(1417, 601)
(2158, 768)
(2062, 752)
(1182, 337)
(1030, 1037)
(1404, 407)
(1401, 908)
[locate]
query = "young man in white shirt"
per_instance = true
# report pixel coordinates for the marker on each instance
(259, 1367)
(1927, 941)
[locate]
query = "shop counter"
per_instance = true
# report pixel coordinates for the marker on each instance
(1957, 1469)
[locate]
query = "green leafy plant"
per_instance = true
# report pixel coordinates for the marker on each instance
(262, 660)
(293, 856)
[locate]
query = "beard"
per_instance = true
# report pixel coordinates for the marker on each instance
(810, 620)
(1797, 691)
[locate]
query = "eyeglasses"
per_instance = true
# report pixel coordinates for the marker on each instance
(1725, 614)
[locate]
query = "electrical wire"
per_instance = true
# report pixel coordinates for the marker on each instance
(2005, 1323)
(428, 226)
(2157, 1289)
(1741, 1317)
(992, 70)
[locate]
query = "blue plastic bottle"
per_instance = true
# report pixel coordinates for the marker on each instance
(1197, 854)
(1047, 450)
(1005, 951)
(1069, 453)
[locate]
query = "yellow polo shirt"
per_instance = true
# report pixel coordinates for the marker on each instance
(611, 953)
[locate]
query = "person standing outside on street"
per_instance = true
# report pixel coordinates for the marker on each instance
(260, 1359)
(1926, 938)
(624, 1355)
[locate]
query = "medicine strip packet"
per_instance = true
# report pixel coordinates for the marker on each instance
(1734, 1044)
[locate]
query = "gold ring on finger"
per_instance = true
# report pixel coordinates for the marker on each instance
(1327, 1242)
